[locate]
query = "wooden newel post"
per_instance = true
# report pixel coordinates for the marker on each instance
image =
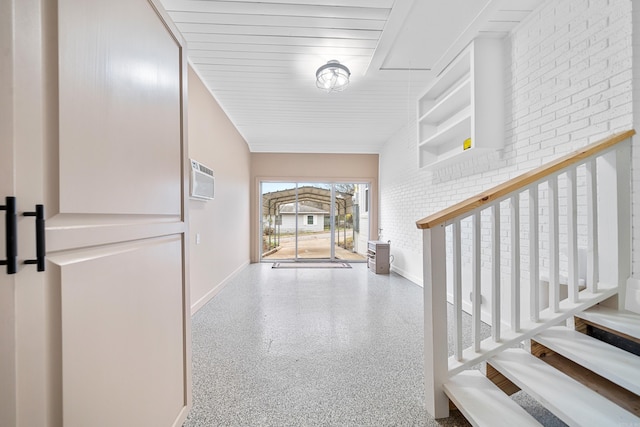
(435, 320)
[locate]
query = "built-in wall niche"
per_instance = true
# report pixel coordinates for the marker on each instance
(461, 114)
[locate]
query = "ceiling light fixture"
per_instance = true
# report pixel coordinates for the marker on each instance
(332, 76)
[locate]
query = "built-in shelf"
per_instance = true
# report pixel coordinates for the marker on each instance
(456, 100)
(454, 128)
(465, 103)
(455, 72)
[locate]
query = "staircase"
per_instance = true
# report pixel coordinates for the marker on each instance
(577, 353)
(590, 383)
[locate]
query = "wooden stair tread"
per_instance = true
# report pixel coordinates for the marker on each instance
(620, 396)
(623, 321)
(572, 402)
(483, 403)
(612, 363)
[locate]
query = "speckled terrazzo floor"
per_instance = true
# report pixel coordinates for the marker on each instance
(314, 347)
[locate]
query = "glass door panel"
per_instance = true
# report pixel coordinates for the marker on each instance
(278, 230)
(351, 225)
(314, 221)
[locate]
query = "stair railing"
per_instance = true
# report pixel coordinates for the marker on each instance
(603, 169)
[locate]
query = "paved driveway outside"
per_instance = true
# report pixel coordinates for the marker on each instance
(311, 246)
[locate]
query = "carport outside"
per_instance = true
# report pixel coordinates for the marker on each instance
(314, 221)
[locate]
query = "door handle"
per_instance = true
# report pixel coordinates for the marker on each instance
(11, 227)
(40, 244)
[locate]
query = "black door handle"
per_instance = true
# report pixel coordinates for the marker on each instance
(11, 230)
(40, 244)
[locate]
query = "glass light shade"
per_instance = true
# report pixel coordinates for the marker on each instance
(332, 77)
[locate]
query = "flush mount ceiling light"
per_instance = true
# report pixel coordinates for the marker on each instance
(332, 77)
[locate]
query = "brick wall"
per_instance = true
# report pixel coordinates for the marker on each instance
(635, 184)
(568, 83)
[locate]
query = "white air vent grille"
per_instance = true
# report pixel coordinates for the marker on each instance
(202, 181)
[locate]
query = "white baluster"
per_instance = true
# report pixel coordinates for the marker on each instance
(457, 291)
(534, 261)
(554, 273)
(476, 285)
(572, 235)
(495, 272)
(592, 226)
(515, 262)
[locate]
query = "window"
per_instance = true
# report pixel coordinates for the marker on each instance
(309, 219)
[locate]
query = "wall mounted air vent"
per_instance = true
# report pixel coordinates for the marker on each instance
(202, 181)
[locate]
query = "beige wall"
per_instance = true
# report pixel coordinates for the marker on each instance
(311, 168)
(222, 223)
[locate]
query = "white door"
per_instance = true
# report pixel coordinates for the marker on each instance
(102, 334)
(7, 295)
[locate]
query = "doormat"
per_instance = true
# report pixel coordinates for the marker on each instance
(311, 265)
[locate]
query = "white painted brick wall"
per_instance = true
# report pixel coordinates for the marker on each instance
(568, 83)
(635, 183)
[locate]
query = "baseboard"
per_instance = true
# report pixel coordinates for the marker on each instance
(213, 292)
(415, 279)
(182, 416)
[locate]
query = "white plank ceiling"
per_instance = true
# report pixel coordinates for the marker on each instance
(259, 59)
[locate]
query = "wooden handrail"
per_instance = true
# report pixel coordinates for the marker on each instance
(521, 181)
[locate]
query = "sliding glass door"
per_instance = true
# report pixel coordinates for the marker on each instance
(314, 221)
